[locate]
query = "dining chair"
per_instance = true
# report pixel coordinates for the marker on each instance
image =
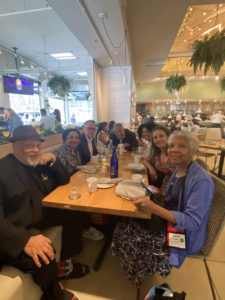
(211, 135)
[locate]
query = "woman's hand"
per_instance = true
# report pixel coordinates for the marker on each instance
(145, 204)
(103, 138)
(153, 173)
(158, 192)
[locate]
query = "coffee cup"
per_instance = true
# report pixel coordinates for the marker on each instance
(137, 158)
(92, 184)
(137, 177)
(94, 159)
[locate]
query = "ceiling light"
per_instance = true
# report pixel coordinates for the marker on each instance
(0, 51)
(62, 56)
(217, 78)
(204, 13)
(22, 62)
(213, 28)
(82, 73)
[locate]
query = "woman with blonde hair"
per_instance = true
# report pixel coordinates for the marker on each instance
(12, 119)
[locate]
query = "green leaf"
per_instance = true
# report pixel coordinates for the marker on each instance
(175, 83)
(60, 85)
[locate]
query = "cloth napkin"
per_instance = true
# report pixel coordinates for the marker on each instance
(109, 180)
(135, 167)
(130, 189)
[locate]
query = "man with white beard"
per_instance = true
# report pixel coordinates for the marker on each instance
(26, 177)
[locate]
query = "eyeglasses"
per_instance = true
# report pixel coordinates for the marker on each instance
(90, 128)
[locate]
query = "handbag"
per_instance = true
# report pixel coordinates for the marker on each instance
(164, 292)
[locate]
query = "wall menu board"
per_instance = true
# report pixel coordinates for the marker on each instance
(20, 85)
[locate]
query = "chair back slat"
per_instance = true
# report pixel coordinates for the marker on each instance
(216, 215)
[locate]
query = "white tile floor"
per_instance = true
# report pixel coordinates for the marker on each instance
(110, 283)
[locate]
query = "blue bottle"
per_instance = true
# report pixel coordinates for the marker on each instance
(114, 165)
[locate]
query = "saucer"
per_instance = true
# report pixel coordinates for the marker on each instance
(105, 185)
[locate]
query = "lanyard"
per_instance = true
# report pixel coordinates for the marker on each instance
(173, 183)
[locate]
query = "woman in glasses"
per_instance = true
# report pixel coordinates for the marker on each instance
(188, 200)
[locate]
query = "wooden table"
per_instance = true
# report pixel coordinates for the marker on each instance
(216, 146)
(103, 201)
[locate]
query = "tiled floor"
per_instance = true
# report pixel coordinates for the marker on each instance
(110, 283)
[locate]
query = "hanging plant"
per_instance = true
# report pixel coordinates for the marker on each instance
(175, 83)
(60, 85)
(209, 53)
(222, 84)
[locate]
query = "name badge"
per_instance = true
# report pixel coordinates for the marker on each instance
(176, 238)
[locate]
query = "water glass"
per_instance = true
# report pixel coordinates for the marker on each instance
(74, 193)
(92, 170)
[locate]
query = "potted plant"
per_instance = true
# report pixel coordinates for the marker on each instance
(209, 53)
(175, 84)
(60, 85)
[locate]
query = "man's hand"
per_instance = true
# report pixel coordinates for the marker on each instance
(145, 204)
(39, 247)
(47, 157)
(126, 145)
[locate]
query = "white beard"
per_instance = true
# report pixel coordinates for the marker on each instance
(32, 163)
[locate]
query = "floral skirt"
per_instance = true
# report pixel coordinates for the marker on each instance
(141, 252)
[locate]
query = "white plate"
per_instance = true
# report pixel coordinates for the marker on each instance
(105, 185)
(127, 198)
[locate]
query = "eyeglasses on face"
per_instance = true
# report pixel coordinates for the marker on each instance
(90, 128)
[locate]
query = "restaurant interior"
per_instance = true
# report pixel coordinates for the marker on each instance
(117, 56)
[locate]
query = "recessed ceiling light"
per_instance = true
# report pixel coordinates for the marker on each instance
(82, 73)
(65, 55)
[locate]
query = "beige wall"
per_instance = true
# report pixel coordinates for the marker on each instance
(199, 89)
(117, 96)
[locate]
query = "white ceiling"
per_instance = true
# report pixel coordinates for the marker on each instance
(38, 28)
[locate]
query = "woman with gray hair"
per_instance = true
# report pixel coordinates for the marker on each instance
(188, 200)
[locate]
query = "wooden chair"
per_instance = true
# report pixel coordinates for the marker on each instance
(212, 134)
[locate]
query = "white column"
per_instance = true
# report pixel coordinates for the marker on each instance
(4, 97)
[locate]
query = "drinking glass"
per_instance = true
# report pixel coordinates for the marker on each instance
(74, 193)
(92, 170)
